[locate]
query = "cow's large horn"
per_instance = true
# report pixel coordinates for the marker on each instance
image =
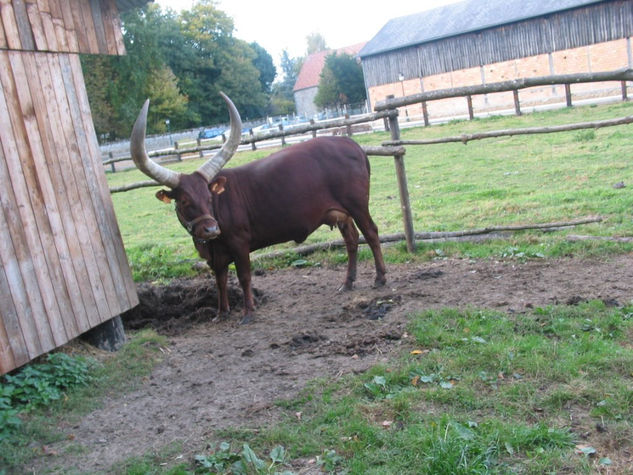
(212, 166)
(162, 175)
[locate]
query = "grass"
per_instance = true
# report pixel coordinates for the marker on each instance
(512, 180)
(479, 392)
(116, 374)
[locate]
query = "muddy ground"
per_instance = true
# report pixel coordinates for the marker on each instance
(217, 375)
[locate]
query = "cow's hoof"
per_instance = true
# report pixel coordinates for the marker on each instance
(347, 286)
(246, 319)
(380, 281)
(221, 316)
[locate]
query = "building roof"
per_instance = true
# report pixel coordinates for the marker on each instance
(459, 18)
(310, 73)
(124, 5)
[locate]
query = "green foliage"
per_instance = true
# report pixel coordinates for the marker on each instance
(341, 81)
(38, 385)
(180, 61)
(245, 462)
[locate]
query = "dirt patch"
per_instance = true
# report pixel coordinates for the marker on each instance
(221, 374)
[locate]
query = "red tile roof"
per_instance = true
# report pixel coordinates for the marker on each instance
(310, 73)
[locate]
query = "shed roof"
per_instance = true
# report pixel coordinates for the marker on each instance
(459, 18)
(310, 73)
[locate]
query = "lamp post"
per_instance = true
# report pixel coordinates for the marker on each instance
(401, 79)
(168, 132)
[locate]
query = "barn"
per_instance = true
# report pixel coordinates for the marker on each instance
(478, 42)
(63, 266)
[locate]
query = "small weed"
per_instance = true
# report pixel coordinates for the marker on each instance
(245, 462)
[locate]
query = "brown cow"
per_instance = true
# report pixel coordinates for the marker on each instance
(283, 197)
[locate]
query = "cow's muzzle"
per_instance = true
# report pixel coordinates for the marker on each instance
(205, 233)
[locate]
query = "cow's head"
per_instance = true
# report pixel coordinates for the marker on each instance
(191, 192)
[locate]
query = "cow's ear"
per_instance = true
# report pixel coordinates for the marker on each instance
(164, 196)
(217, 185)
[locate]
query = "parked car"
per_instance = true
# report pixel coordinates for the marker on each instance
(210, 133)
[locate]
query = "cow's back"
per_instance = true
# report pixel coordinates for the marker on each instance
(285, 195)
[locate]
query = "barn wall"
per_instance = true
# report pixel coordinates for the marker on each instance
(606, 56)
(597, 23)
(70, 26)
(64, 269)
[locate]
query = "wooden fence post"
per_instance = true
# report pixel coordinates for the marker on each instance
(283, 137)
(405, 203)
(112, 167)
(314, 134)
(517, 104)
(625, 96)
(252, 134)
(177, 152)
(349, 126)
(469, 101)
(199, 143)
(568, 94)
(425, 113)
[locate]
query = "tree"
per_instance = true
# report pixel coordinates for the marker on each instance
(264, 63)
(341, 82)
(316, 43)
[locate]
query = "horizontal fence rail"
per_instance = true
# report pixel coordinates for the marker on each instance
(505, 86)
(465, 138)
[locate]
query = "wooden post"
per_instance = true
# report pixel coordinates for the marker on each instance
(314, 133)
(625, 96)
(405, 203)
(349, 126)
(425, 113)
(177, 152)
(469, 100)
(283, 137)
(108, 336)
(517, 104)
(252, 134)
(112, 167)
(568, 94)
(199, 142)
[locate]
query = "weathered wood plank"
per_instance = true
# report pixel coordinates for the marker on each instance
(80, 28)
(37, 29)
(10, 25)
(62, 173)
(90, 193)
(69, 27)
(7, 360)
(126, 290)
(24, 26)
(85, 221)
(99, 27)
(61, 217)
(3, 38)
(33, 267)
(118, 31)
(108, 14)
(92, 45)
(43, 200)
(47, 24)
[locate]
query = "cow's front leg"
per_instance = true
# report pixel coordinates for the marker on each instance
(221, 279)
(243, 268)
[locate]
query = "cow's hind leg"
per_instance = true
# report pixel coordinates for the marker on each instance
(350, 236)
(370, 231)
(344, 222)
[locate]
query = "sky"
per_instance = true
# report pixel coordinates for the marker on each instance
(284, 24)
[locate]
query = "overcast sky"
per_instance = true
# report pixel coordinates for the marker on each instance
(284, 24)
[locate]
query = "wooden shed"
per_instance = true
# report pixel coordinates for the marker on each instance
(476, 42)
(64, 268)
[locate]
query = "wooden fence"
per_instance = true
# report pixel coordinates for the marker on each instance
(387, 110)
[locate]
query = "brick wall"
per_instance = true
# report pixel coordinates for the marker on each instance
(599, 57)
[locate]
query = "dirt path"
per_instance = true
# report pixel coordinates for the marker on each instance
(220, 375)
